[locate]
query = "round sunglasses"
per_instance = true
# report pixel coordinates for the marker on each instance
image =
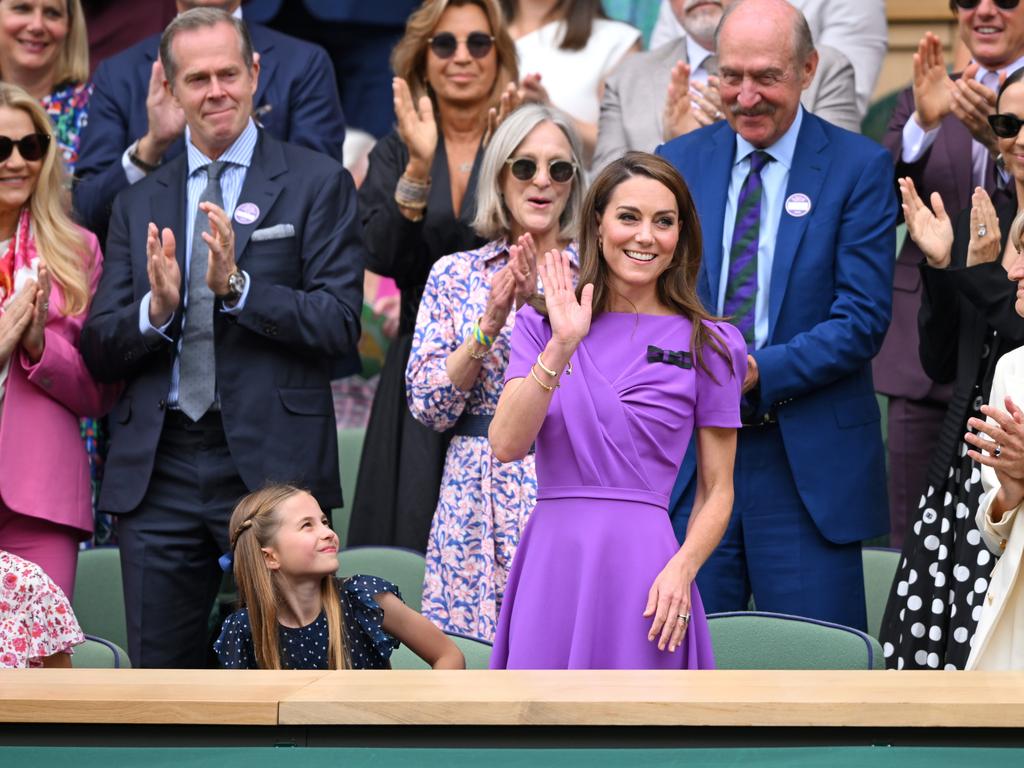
(1004, 5)
(446, 44)
(524, 169)
(31, 147)
(1005, 125)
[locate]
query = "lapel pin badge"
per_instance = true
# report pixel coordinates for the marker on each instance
(798, 204)
(247, 213)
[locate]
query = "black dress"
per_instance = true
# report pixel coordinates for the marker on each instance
(369, 646)
(967, 322)
(400, 470)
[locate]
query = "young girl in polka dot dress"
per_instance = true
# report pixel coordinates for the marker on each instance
(297, 615)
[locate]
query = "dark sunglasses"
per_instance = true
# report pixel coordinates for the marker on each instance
(1004, 5)
(524, 169)
(31, 147)
(1005, 126)
(446, 44)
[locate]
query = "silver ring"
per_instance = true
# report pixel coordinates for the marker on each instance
(718, 114)
(982, 230)
(684, 618)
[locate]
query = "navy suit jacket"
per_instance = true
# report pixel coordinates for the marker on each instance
(273, 358)
(296, 82)
(829, 308)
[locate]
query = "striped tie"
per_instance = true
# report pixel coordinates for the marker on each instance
(741, 288)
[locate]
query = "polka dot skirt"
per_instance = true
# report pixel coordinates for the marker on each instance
(369, 646)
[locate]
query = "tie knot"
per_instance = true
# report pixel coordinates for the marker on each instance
(215, 169)
(758, 160)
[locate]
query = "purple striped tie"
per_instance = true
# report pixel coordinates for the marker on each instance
(741, 287)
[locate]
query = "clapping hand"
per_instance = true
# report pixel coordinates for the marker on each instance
(34, 338)
(972, 103)
(986, 242)
(499, 302)
(569, 317)
(510, 100)
(164, 275)
(416, 125)
(678, 114)
(933, 88)
(522, 262)
(165, 119)
(531, 90)
(15, 318)
(933, 232)
(221, 240)
(1001, 448)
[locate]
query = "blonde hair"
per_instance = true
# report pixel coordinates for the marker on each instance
(492, 216)
(253, 525)
(73, 58)
(409, 57)
(1017, 232)
(59, 242)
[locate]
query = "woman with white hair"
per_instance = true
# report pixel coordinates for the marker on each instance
(529, 196)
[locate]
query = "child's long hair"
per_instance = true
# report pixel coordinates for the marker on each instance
(254, 525)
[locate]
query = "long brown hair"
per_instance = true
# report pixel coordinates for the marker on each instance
(59, 242)
(409, 57)
(579, 18)
(676, 285)
(253, 525)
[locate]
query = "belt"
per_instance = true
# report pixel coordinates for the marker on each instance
(472, 425)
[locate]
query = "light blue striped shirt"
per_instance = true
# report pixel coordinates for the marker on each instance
(239, 157)
(774, 180)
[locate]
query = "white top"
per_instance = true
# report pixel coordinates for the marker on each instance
(572, 78)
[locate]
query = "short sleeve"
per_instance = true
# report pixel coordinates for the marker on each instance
(234, 647)
(529, 337)
(369, 645)
(718, 393)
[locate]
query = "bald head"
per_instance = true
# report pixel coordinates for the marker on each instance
(778, 19)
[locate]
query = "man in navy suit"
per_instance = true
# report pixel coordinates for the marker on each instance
(233, 275)
(134, 125)
(798, 220)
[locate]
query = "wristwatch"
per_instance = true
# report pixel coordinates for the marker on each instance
(236, 287)
(138, 162)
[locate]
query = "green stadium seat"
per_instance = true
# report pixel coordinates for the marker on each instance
(402, 567)
(879, 571)
(99, 600)
(757, 640)
(476, 652)
(97, 653)
(350, 450)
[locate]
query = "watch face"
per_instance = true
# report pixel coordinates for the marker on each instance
(236, 282)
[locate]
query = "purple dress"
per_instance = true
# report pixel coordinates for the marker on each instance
(607, 456)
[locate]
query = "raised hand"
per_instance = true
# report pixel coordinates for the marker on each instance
(986, 242)
(677, 116)
(221, 239)
(166, 120)
(569, 317)
(933, 232)
(531, 90)
(972, 103)
(33, 340)
(509, 102)
(708, 99)
(668, 601)
(522, 262)
(1001, 448)
(164, 275)
(416, 127)
(15, 318)
(932, 85)
(499, 302)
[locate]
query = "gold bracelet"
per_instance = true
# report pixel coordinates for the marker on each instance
(469, 349)
(551, 373)
(548, 387)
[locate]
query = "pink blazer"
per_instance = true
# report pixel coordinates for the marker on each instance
(44, 469)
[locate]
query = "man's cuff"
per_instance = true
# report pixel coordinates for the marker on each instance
(147, 329)
(916, 140)
(240, 304)
(132, 172)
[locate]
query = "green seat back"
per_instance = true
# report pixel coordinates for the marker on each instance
(350, 449)
(99, 599)
(97, 653)
(402, 567)
(476, 653)
(754, 640)
(879, 571)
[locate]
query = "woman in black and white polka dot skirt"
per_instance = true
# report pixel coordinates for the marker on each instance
(967, 321)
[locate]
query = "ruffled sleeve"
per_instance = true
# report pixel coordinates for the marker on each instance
(718, 395)
(369, 645)
(234, 647)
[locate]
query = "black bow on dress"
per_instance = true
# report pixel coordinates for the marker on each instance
(669, 357)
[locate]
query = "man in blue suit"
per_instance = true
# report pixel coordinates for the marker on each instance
(798, 221)
(233, 274)
(134, 125)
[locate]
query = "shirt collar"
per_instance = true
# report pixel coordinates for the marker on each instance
(696, 53)
(239, 153)
(982, 70)
(782, 151)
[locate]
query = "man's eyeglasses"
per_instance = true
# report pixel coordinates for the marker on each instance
(31, 147)
(524, 169)
(445, 44)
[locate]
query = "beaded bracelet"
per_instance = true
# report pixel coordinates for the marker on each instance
(548, 387)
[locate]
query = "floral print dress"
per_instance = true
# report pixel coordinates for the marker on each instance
(484, 504)
(36, 620)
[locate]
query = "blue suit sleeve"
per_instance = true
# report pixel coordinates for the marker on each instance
(315, 108)
(861, 306)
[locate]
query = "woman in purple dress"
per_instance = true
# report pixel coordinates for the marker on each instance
(610, 380)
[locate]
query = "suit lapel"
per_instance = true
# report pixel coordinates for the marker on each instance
(712, 192)
(260, 188)
(806, 177)
(167, 206)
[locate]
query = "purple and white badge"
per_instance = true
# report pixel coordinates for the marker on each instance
(247, 213)
(798, 204)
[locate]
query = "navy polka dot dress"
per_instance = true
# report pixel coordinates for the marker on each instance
(368, 644)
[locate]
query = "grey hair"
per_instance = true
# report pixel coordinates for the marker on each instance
(803, 40)
(1017, 232)
(492, 217)
(200, 18)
